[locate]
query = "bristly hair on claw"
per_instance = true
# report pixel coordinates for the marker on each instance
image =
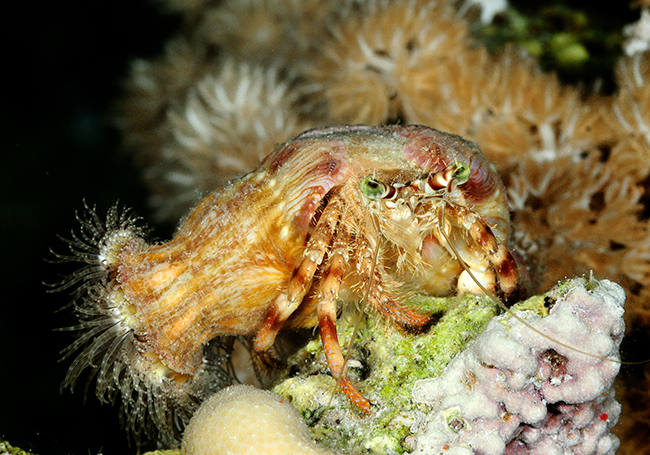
(156, 402)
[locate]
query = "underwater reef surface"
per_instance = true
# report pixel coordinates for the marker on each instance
(609, 224)
(537, 380)
(240, 77)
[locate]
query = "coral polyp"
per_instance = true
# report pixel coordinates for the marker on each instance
(155, 400)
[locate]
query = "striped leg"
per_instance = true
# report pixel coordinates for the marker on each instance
(500, 260)
(287, 302)
(328, 292)
(382, 300)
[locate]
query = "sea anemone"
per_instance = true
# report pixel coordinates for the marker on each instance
(156, 402)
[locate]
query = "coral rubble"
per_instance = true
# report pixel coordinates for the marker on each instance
(385, 363)
(7, 449)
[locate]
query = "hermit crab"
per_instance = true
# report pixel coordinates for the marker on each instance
(337, 214)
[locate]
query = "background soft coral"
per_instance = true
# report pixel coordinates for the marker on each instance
(576, 164)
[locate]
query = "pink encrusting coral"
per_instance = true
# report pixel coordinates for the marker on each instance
(515, 390)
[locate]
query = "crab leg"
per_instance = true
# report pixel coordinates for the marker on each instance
(327, 295)
(496, 253)
(287, 302)
(382, 300)
(389, 307)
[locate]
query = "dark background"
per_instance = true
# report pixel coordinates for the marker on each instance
(66, 63)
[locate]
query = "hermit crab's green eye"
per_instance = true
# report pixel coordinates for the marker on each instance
(372, 189)
(461, 172)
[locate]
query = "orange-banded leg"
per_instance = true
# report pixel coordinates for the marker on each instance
(287, 302)
(500, 260)
(327, 292)
(389, 307)
(383, 300)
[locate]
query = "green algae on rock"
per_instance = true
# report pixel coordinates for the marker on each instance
(8, 449)
(385, 363)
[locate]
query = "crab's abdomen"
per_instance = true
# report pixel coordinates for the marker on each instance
(214, 278)
(231, 257)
